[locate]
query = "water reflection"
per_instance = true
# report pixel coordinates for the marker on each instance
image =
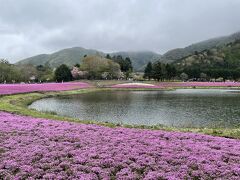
(180, 108)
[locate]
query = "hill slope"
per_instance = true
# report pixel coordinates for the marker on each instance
(68, 56)
(225, 56)
(74, 55)
(179, 53)
(36, 60)
(139, 59)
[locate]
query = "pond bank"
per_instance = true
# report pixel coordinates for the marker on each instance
(181, 108)
(18, 104)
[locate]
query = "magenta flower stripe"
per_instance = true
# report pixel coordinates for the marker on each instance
(200, 84)
(25, 88)
(32, 148)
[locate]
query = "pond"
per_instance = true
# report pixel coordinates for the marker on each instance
(179, 108)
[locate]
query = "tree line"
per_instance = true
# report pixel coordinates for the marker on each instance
(11, 73)
(160, 71)
(91, 67)
(115, 67)
(213, 73)
(97, 67)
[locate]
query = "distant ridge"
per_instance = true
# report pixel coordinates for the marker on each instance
(139, 58)
(71, 56)
(226, 56)
(179, 53)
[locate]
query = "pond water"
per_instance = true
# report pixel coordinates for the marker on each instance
(180, 108)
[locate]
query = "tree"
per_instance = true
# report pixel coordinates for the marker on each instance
(44, 73)
(94, 66)
(119, 59)
(97, 67)
(125, 64)
(10, 73)
(157, 71)
(203, 76)
(171, 71)
(28, 71)
(63, 73)
(128, 65)
(75, 72)
(184, 76)
(148, 72)
(77, 65)
(114, 70)
(108, 56)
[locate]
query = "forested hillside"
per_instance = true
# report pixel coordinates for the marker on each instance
(179, 53)
(221, 61)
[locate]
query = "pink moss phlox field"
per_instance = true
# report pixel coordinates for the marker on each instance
(32, 148)
(25, 88)
(200, 84)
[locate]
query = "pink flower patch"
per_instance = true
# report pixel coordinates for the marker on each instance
(33, 148)
(25, 88)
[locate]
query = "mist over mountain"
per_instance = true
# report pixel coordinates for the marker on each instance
(139, 59)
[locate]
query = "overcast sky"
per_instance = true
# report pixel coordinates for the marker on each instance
(31, 27)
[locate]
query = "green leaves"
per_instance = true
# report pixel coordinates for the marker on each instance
(63, 73)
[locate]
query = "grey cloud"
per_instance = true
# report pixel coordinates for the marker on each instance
(30, 27)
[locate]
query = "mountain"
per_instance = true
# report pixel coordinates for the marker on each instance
(224, 56)
(35, 60)
(179, 53)
(72, 56)
(139, 59)
(68, 56)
